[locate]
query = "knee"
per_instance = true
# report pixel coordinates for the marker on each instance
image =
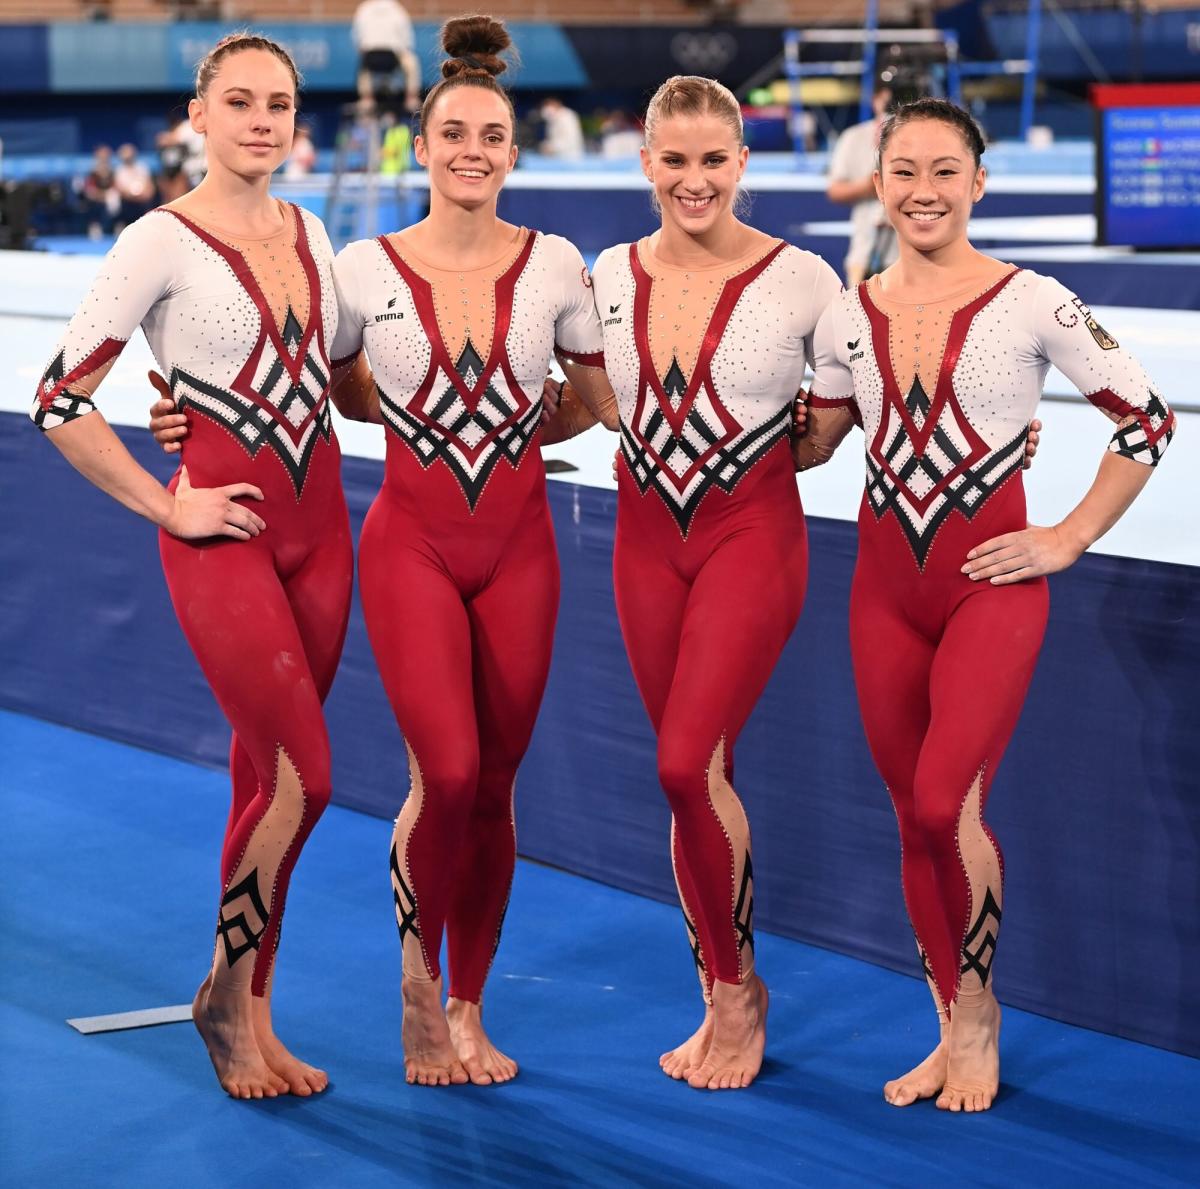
(306, 763)
(448, 785)
(934, 817)
(682, 771)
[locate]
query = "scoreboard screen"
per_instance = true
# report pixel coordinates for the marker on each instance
(1148, 176)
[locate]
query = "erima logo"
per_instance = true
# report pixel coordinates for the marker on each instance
(613, 321)
(614, 309)
(389, 317)
(856, 353)
(391, 303)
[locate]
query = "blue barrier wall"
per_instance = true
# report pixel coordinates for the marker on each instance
(1097, 805)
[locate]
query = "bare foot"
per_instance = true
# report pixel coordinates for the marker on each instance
(429, 1056)
(739, 1036)
(224, 1020)
(679, 1063)
(926, 1080)
(973, 1070)
(302, 1079)
(485, 1064)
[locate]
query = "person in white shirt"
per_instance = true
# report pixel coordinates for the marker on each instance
(383, 35)
(563, 137)
(134, 185)
(851, 168)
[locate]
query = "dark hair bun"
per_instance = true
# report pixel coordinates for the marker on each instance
(473, 46)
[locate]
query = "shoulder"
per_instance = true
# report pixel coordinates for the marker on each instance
(557, 246)
(611, 260)
(802, 262)
(1045, 298)
(560, 253)
(314, 229)
(149, 233)
(355, 256)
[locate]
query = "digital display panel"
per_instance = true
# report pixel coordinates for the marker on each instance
(1148, 188)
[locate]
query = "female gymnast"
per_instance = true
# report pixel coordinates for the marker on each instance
(707, 327)
(459, 316)
(941, 358)
(234, 291)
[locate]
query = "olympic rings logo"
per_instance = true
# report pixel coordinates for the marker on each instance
(703, 53)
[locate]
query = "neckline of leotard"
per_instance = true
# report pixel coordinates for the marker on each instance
(418, 264)
(651, 262)
(875, 291)
(286, 209)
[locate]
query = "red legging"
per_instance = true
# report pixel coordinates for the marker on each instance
(704, 620)
(942, 665)
(461, 616)
(266, 619)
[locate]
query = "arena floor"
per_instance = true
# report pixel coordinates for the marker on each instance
(589, 985)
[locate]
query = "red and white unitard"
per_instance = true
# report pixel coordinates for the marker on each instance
(457, 564)
(242, 329)
(945, 390)
(711, 555)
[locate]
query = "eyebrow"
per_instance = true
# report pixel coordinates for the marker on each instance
(247, 91)
(706, 153)
(462, 124)
(910, 161)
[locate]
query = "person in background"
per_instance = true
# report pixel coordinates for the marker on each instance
(562, 136)
(101, 200)
(851, 170)
(620, 136)
(135, 186)
(171, 180)
(303, 156)
(383, 35)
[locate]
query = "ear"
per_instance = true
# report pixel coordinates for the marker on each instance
(877, 178)
(421, 151)
(980, 183)
(743, 157)
(646, 167)
(196, 116)
(512, 158)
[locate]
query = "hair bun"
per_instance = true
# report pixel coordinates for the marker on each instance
(473, 46)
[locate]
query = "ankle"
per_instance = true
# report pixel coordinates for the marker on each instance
(421, 991)
(463, 1010)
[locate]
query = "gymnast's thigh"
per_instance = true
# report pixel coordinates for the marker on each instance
(319, 594)
(979, 678)
(512, 636)
(892, 662)
(651, 597)
(740, 612)
(235, 613)
(420, 634)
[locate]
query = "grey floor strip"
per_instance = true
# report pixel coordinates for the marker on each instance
(146, 1018)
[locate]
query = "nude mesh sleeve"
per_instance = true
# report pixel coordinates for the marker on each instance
(1069, 337)
(133, 277)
